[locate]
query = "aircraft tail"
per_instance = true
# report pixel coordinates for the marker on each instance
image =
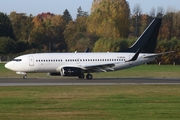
(147, 41)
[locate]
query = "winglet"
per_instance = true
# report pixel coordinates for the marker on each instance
(135, 56)
(87, 50)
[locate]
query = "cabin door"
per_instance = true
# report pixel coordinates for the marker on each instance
(31, 61)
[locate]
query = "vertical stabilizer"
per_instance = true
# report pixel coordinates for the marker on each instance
(147, 41)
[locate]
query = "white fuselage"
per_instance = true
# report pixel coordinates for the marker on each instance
(53, 62)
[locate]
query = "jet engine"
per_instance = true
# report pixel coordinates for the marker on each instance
(71, 71)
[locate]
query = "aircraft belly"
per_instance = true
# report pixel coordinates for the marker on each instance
(121, 66)
(126, 65)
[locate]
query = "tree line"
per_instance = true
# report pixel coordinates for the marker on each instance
(109, 27)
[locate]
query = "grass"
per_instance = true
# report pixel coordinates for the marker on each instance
(142, 71)
(147, 71)
(137, 102)
(118, 102)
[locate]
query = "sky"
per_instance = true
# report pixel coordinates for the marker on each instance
(36, 7)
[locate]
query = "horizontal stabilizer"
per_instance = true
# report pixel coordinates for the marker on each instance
(158, 54)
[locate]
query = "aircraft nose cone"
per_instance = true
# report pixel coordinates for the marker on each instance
(7, 65)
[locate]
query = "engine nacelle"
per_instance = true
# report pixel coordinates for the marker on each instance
(71, 71)
(54, 74)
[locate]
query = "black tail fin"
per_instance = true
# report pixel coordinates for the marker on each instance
(147, 41)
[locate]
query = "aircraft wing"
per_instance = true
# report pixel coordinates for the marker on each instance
(102, 67)
(99, 67)
(91, 68)
(108, 67)
(158, 54)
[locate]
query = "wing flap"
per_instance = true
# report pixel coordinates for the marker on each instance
(100, 67)
(92, 68)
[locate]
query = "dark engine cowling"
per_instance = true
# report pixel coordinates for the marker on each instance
(55, 74)
(71, 71)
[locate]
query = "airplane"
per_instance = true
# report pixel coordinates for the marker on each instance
(78, 64)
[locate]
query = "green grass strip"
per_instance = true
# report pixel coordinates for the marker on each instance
(135, 102)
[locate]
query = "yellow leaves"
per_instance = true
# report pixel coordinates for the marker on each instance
(37, 22)
(47, 20)
(109, 45)
(110, 18)
(57, 20)
(48, 29)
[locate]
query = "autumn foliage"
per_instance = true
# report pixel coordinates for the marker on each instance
(110, 26)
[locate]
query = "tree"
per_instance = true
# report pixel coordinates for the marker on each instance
(110, 19)
(5, 26)
(166, 31)
(72, 34)
(137, 18)
(21, 24)
(22, 46)
(95, 5)
(160, 12)
(153, 12)
(108, 44)
(145, 20)
(81, 13)
(7, 45)
(77, 37)
(48, 31)
(176, 25)
(66, 16)
(137, 9)
(169, 45)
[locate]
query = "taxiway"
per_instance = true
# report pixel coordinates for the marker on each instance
(75, 81)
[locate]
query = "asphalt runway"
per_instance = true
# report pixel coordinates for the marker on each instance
(76, 81)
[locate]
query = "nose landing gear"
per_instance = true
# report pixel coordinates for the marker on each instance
(22, 73)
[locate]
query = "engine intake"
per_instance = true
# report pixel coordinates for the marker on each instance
(70, 71)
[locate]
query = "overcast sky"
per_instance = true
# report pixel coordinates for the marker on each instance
(35, 7)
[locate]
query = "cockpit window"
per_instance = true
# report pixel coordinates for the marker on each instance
(17, 60)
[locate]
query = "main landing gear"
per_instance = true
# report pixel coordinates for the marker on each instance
(25, 77)
(88, 76)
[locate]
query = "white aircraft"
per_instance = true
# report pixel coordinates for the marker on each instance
(77, 64)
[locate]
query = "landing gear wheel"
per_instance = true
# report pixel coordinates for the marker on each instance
(81, 76)
(25, 77)
(89, 76)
